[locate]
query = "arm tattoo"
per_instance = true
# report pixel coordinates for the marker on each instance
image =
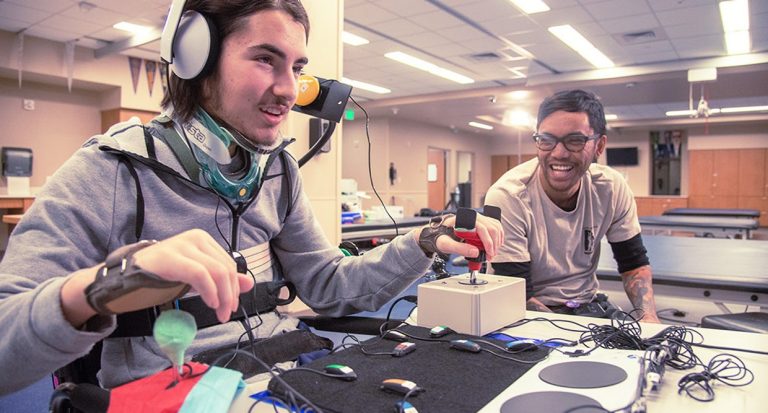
(637, 284)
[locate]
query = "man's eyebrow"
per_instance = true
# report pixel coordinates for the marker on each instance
(276, 51)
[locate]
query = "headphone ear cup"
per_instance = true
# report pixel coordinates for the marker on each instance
(195, 46)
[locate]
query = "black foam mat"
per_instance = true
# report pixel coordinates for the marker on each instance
(455, 381)
(551, 402)
(583, 374)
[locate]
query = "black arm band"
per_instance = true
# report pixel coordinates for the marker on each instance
(630, 254)
(516, 269)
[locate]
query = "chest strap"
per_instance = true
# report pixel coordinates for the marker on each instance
(263, 298)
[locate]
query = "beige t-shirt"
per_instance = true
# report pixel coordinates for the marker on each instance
(562, 246)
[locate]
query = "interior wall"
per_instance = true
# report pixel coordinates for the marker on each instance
(58, 126)
(405, 142)
(44, 59)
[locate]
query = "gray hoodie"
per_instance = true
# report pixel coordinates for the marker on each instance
(89, 208)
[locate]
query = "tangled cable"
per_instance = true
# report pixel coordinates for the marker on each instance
(724, 368)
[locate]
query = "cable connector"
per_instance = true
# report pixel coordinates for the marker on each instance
(576, 353)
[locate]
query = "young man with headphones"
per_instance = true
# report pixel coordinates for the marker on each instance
(210, 181)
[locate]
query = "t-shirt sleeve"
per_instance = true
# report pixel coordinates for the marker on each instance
(625, 224)
(513, 220)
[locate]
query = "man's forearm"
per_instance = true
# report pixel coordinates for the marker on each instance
(639, 288)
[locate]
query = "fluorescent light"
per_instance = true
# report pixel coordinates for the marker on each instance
(568, 35)
(365, 86)
(519, 94)
(735, 17)
(680, 112)
(744, 109)
(516, 72)
(353, 39)
(480, 125)
(610, 116)
(737, 42)
(130, 27)
(516, 118)
(531, 6)
(687, 112)
(429, 67)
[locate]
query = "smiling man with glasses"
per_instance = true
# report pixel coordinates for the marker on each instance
(556, 209)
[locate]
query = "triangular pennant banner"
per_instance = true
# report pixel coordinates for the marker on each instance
(163, 69)
(150, 66)
(135, 64)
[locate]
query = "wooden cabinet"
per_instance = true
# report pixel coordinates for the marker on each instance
(500, 164)
(656, 205)
(732, 178)
(714, 178)
(112, 116)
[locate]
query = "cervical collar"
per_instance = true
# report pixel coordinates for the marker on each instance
(210, 147)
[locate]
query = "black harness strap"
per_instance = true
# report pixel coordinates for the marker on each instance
(139, 196)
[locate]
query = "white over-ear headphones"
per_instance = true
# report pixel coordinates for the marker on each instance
(189, 43)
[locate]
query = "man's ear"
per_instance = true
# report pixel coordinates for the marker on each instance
(601, 142)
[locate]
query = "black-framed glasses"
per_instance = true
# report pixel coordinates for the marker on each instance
(573, 142)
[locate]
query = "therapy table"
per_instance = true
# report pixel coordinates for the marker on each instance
(701, 226)
(717, 270)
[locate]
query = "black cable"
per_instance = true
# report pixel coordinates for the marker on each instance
(409, 298)
(370, 173)
(289, 390)
(725, 368)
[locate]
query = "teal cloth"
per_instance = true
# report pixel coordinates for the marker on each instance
(214, 392)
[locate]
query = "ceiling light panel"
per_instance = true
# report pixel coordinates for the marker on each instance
(365, 86)
(573, 39)
(353, 39)
(480, 125)
(735, 17)
(429, 67)
(531, 6)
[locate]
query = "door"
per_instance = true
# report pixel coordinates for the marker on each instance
(436, 179)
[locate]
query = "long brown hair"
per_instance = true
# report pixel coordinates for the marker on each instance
(228, 16)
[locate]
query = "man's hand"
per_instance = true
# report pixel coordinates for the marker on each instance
(534, 304)
(192, 257)
(488, 229)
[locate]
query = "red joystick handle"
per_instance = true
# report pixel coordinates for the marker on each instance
(471, 238)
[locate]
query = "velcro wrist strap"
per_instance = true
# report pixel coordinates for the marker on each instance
(430, 234)
(121, 285)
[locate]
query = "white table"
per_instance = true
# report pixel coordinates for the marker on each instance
(751, 398)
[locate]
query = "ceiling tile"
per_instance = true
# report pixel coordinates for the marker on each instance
(700, 46)
(656, 57)
(630, 24)
(464, 33)
(660, 5)
(22, 13)
(394, 28)
(406, 8)
(423, 40)
(617, 8)
(98, 16)
(68, 24)
(691, 30)
(52, 34)
(367, 14)
(435, 20)
(12, 25)
(705, 15)
(488, 10)
(569, 15)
